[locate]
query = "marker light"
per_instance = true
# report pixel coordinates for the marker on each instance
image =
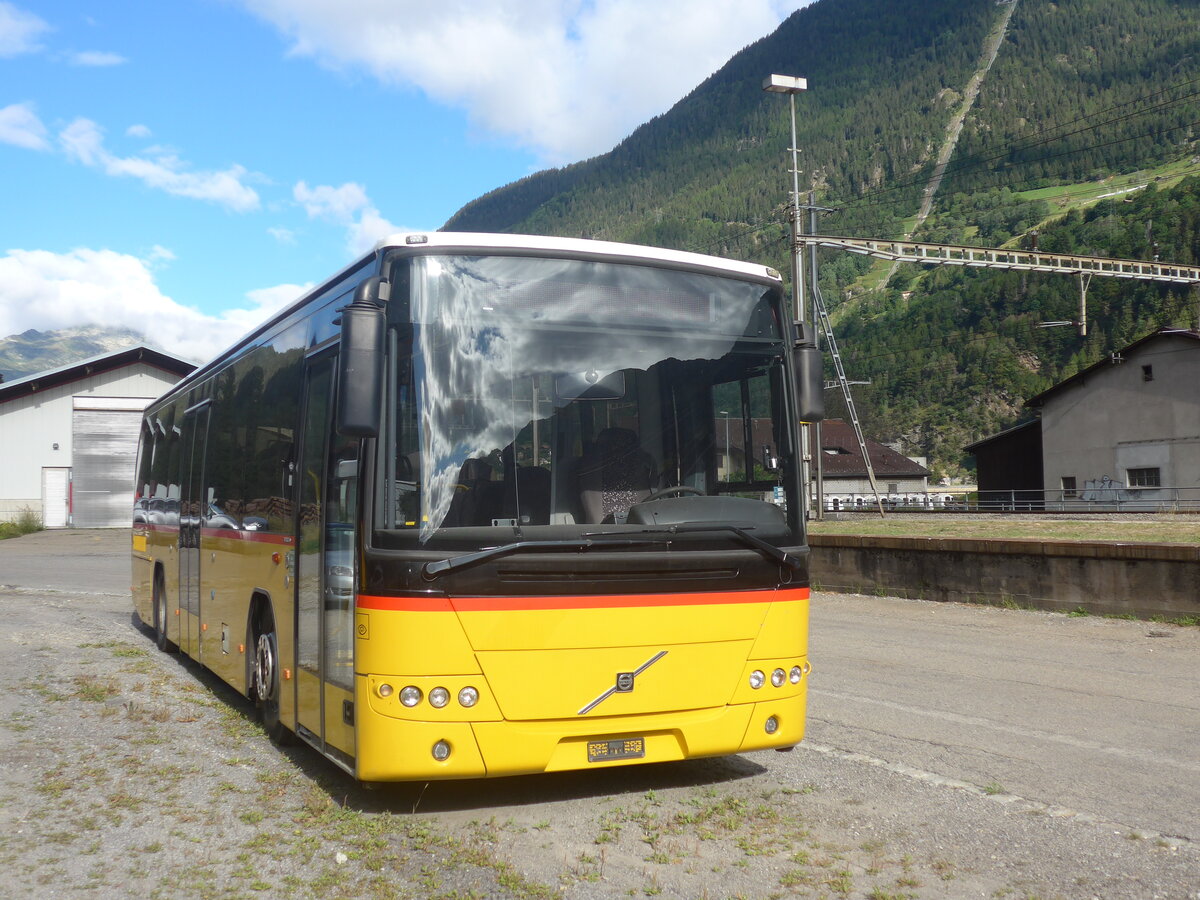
(441, 751)
(757, 679)
(771, 725)
(795, 675)
(410, 696)
(468, 697)
(778, 677)
(439, 697)
(384, 690)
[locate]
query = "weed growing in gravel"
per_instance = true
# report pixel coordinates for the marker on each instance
(95, 689)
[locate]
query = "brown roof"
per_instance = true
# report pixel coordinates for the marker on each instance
(841, 456)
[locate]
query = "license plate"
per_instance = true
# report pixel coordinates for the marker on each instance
(625, 748)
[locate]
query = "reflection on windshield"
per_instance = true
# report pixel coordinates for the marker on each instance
(561, 392)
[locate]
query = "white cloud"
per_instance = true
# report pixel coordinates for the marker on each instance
(20, 126)
(83, 141)
(48, 291)
(138, 131)
(567, 78)
(349, 207)
(96, 58)
(282, 235)
(19, 31)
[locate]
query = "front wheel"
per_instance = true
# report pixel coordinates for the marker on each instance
(266, 680)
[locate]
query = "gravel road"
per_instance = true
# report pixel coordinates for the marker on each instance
(132, 773)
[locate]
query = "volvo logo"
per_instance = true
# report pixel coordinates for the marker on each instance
(624, 683)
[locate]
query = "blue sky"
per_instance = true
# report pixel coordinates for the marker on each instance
(184, 168)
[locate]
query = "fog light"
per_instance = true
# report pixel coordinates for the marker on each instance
(384, 690)
(795, 675)
(778, 677)
(757, 679)
(468, 696)
(441, 751)
(410, 696)
(439, 697)
(771, 725)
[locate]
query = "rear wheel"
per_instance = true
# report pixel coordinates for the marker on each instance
(266, 678)
(160, 615)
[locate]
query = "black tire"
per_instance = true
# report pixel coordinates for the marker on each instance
(160, 616)
(265, 679)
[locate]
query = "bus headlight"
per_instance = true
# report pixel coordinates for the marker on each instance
(384, 690)
(757, 679)
(439, 697)
(410, 696)
(778, 677)
(795, 675)
(468, 697)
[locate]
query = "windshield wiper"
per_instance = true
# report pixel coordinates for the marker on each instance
(432, 570)
(768, 550)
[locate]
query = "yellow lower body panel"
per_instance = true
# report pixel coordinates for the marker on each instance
(392, 749)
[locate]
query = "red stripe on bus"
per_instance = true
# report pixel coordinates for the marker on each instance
(583, 601)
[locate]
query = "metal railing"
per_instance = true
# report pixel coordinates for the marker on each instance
(1099, 500)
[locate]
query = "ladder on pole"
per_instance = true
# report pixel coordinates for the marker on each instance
(851, 410)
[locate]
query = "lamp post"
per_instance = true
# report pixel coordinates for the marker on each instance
(790, 85)
(728, 455)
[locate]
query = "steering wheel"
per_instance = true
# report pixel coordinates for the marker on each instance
(673, 490)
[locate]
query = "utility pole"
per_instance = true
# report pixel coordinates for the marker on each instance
(790, 85)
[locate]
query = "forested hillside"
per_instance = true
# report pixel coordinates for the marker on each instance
(1080, 91)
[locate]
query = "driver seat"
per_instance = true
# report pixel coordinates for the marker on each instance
(614, 474)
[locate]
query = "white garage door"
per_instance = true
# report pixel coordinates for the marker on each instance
(104, 436)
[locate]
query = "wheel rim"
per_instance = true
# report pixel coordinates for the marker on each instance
(161, 602)
(264, 668)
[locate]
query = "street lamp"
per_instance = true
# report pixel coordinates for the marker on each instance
(787, 84)
(790, 85)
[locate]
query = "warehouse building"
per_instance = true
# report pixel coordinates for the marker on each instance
(68, 436)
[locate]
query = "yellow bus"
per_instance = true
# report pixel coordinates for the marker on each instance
(495, 504)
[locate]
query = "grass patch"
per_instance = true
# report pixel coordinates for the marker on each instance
(1164, 530)
(26, 522)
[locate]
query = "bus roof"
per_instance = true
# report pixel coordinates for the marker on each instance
(457, 240)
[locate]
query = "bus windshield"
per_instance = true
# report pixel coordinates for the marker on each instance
(543, 393)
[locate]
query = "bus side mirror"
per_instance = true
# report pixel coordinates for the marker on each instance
(360, 381)
(809, 368)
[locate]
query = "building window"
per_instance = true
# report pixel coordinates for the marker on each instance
(1069, 491)
(1147, 373)
(893, 488)
(1143, 478)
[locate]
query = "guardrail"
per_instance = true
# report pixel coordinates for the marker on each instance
(1107, 498)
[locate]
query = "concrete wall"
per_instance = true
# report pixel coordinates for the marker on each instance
(1105, 578)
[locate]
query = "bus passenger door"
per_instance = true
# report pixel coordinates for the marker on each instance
(191, 513)
(325, 564)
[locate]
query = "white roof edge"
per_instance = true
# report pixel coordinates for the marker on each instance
(534, 242)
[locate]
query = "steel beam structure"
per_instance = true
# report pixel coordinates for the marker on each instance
(1025, 260)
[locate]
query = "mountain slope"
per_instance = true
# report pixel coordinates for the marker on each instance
(1079, 90)
(37, 351)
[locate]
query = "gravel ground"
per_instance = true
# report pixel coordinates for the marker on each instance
(132, 773)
